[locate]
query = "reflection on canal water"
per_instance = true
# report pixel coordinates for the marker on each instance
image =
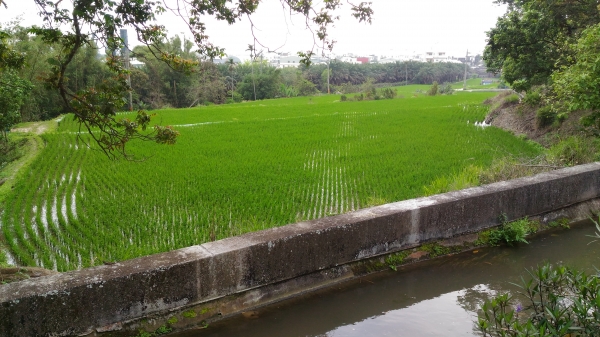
(435, 298)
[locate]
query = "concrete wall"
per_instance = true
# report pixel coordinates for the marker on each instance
(258, 267)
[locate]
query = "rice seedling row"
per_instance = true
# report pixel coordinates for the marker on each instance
(237, 169)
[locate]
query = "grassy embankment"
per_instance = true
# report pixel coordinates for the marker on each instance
(475, 83)
(240, 168)
(24, 144)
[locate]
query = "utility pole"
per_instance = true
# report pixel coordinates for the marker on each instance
(328, 61)
(175, 92)
(465, 77)
(405, 73)
(252, 57)
(125, 55)
(253, 83)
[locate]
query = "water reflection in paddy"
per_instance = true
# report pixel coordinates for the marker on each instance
(435, 298)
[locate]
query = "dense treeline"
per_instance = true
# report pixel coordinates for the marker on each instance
(86, 70)
(414, 72)
(549, 52)
(156, 84)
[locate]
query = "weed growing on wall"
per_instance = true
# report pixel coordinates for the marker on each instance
(509, 233)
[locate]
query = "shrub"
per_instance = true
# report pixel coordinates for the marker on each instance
(555, 301)
(573, 151)
(446, 89)
(439, 185)
(466, 178)
(11, 151)
(511, 233)
(592, 123)
(288, 90)
(389, 93)
(508, 168)
(347, 88)
(305, 87)
(370, 93)
(514, 98)
(435, 249)
(265, 85)
(545, 116)
(163, 330)
(532, 98)
(375, 201)
(433, 90)
(396, 259)
(368, 86)
(3, 259)
(237, 98)
(189, 314)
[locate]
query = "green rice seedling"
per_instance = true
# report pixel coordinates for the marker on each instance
(242, 167)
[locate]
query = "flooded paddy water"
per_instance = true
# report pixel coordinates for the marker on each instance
(439, 297)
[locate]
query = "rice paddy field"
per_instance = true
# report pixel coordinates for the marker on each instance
(239, 168)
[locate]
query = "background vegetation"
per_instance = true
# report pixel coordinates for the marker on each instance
(157, 84)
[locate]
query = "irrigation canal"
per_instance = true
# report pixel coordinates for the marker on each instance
(439, 297)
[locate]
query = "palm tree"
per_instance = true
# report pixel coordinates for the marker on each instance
(230, 67)
(426, 74)
(252, 56)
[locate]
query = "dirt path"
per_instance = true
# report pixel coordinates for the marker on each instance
(8, 177)
(36, 128)
(35, 144)
(13, 274)
(13, 168)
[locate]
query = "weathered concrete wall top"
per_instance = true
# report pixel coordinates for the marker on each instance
(84, 301)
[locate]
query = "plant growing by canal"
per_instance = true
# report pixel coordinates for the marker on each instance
(508, 233)
(555, 301)
(512, 232)
(396, 259)
(161, 330)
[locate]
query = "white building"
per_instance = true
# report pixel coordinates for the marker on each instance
(226, 58)
(286, 60)
(135, 63)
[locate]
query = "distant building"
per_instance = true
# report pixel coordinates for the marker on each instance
(287, 60)
(135, 63)
(396, 58)
(351, 58)
(439, 57)
(226, 59)
(348, 59)
(362, 60)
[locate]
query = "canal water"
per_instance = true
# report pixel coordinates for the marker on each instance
(439, 297)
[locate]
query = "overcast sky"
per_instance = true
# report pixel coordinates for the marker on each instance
(399, 27)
